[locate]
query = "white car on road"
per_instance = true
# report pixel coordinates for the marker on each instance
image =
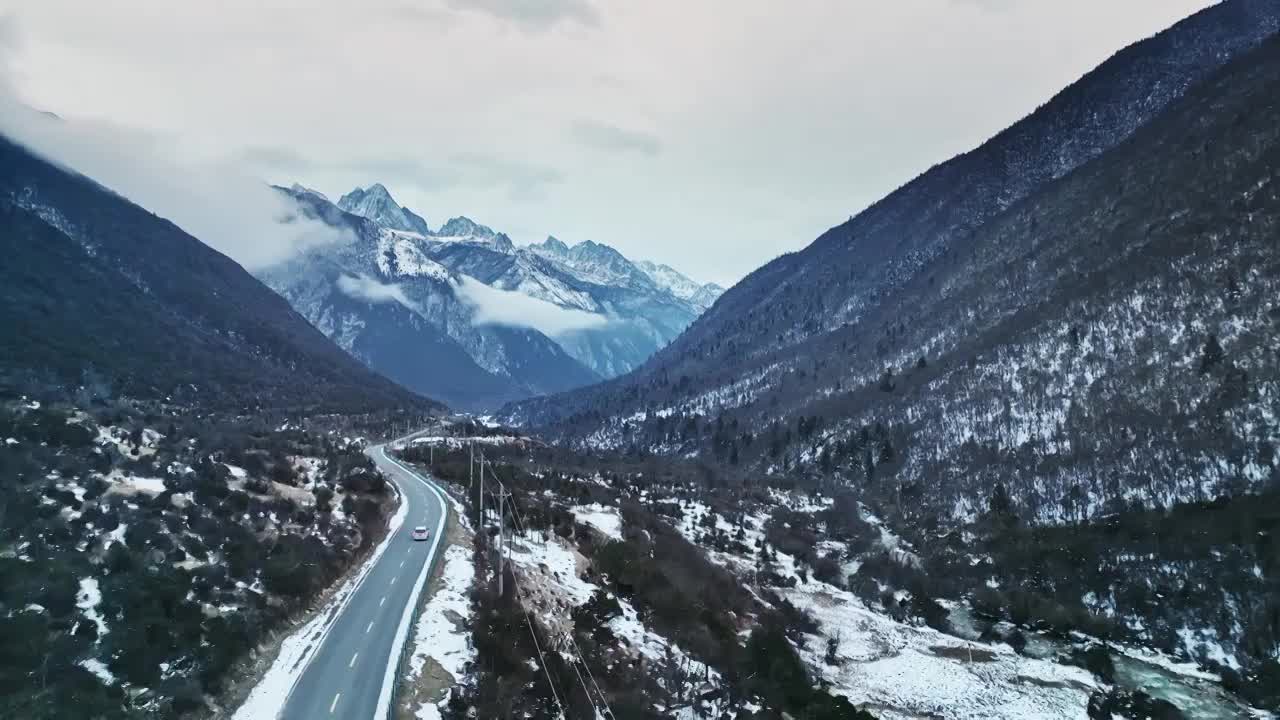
(421, 533)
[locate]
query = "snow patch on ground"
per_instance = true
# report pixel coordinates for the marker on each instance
(906, 671)
(125, 484)
(117, 535)
(88, 600)
(427, 712)
(98, 668)
(442, 633)
(553, 559)
(458, 443)
(644, 641)
(899, 670)
(119, 438)
(601, 517)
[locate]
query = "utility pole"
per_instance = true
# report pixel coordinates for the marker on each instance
(502, 497)
(480, 522)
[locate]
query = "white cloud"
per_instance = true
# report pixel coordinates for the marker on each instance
(218, 202)
(533, 14)
(602, 136)
(371, 290)
(492, 306)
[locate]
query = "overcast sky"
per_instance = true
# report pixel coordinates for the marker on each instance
(711, 135)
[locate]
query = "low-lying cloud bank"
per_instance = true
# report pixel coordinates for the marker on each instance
(489, 305)
(371, 290)
(219, 202)
(508, 308)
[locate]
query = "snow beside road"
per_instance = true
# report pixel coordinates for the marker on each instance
(442, 633)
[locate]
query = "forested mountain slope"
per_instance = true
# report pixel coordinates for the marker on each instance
(1114, 333)
(1075, 400)
(845, 287)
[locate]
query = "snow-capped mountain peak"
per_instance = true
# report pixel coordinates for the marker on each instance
(376, 204)
(463, 226)
(552, 246)
(299, 189)
(603, 264)
(680, 285)
(464, 229)
(592, 261)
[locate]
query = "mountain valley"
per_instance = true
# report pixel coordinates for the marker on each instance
(1006, 444)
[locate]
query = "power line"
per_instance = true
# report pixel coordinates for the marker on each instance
(541, 656)
(577, 650)
(555, 694)
(522, 527)
(603, 699)
(537, 646)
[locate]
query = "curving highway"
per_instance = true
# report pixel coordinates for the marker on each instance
(353, 671)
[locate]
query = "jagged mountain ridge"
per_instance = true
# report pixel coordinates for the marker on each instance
(385, 301)
(640, 307)
(590, 277)
(375, 203)
(97, 289)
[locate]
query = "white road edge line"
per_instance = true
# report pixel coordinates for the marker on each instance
(402, 633)
(334, 704)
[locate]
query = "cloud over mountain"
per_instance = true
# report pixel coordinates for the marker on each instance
(507, 308)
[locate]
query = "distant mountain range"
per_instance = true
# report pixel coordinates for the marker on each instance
(485, 321)
(98, 292)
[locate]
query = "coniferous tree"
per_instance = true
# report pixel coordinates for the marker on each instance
(1211, 355)
(886, 381)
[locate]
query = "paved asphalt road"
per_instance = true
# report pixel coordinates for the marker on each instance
(345, 678)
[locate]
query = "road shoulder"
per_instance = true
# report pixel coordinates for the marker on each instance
(441, 647)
